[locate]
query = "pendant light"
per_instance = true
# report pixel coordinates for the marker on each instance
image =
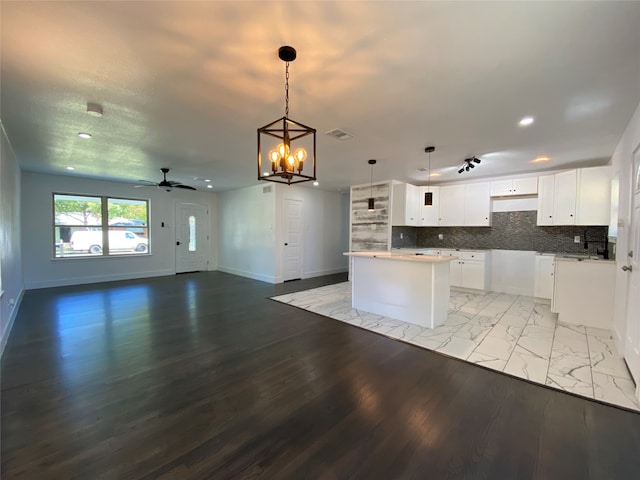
(371, 206)
(285, 160)
(428, 195)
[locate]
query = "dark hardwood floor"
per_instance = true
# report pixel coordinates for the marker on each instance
(201, 376)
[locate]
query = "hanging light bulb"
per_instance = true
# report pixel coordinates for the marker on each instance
(428, 195)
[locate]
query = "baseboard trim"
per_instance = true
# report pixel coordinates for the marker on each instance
(96, 279)
(12, 319)
(329, 271)
(243, 273)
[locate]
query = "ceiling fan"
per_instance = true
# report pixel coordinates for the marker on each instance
(168, 185)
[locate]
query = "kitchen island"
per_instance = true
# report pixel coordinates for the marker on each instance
(411, 288)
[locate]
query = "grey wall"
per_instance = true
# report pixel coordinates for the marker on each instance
(10, 244)
(508, 231)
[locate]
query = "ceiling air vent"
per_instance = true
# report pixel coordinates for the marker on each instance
(339, 134)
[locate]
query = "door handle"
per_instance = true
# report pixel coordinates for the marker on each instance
(627, 268)
(177, 243)
(285, 244)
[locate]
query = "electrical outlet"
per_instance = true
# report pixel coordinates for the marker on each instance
(401, 235)
(441, 236)
(576, 239)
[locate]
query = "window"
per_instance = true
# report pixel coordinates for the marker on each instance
(89, 226)
(192, 233)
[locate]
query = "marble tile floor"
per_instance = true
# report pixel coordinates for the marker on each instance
(509, 333)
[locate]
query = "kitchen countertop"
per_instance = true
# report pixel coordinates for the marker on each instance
(405, 257)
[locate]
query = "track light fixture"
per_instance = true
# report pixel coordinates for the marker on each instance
(469, 164)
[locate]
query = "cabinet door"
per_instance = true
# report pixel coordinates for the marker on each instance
(404, 208)
(428, 216)
(455, 275)
(472, 274)
(477, 207)
(593, 202)
(451, 208)
(525, 186)
(502, 188)
(543, 284)
(564, 198)
(546, 184)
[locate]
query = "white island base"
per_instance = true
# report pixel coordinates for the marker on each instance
(411, 288)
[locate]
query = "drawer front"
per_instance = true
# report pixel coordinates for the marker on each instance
(472, 256)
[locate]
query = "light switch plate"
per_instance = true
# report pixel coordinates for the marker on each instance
(576, 239)
(441, 236)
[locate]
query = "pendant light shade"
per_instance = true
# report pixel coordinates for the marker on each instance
(371, 202)
(428, 199)
(428, 196)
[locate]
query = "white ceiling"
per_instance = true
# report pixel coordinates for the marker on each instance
(185, 85)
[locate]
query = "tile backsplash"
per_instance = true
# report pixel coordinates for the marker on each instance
(508, 231)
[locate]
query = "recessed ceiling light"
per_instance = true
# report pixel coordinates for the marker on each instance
(541, 159)
(315, 184)
(207, 180)
(70, 168)
(526, 121)
(266, 174)
(209, 186)
(84, 135)
(435, 174)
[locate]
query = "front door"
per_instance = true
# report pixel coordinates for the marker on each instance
(292, 239)
(192, 237)
(632, 334)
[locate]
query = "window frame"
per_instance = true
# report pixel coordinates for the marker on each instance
(103, 227)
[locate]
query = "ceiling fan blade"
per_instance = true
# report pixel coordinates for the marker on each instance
(147, 182)
(186, 187)
(149, 185)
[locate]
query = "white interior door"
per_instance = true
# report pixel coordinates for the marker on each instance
(192, 237)
(292, 239)
(632, 334)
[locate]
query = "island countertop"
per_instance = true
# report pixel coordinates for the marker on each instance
(403, 257)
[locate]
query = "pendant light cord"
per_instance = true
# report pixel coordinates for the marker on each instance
(429, 174)
(286, 91)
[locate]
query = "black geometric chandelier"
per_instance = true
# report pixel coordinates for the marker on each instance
(295, 147)
(469, 164)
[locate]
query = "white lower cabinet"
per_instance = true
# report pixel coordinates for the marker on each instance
(470, 270)
(544, 277)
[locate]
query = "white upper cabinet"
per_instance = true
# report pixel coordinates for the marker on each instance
(546, 185)
(465, 205)
(404, 206)
(575, 197)
(593, 203)
(452, 203)
(428, 216)
(477, 205)
(564, 198)
(516, 186)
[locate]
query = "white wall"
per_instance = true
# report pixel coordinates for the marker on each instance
(622, 165)
(247, 232)
(10, 244)
(325, 217)
(252, 237)
(41, 269)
